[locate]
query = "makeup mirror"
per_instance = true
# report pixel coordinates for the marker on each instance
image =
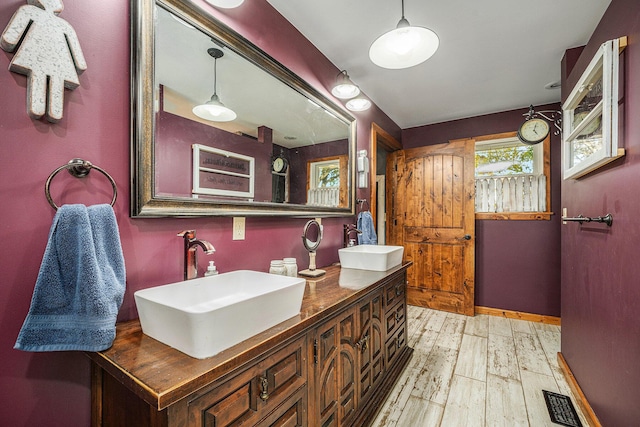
(311, 238)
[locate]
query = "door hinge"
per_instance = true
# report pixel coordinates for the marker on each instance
(315, 351)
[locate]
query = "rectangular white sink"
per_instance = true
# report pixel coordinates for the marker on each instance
(204, 316)
(371, 257)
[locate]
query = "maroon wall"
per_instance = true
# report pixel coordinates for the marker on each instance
(517, 262)
(600, 268)
(173, 148)
(301, 156)
(52, 389)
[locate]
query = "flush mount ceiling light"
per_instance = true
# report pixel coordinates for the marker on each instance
(225, 4)
(404, 47)
(358, 104)
(344, 87)
(214, 110)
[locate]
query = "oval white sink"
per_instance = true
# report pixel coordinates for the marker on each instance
(204, 316)
(371, 257)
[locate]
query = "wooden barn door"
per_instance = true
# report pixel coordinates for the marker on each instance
(430, 204)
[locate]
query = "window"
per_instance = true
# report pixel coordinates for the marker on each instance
(325, 174)
(512, 179)
(590, 114)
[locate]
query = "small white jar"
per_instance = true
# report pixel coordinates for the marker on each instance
(290, 267)
(277, 267)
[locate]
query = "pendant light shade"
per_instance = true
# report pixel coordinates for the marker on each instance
(358, 104)
(225, 4)
(344, 87)
(214, 110)
(404, 47)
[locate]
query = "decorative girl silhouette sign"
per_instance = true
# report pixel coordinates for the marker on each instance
(49, 55)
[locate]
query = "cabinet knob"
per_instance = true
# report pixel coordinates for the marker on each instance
(264, 388)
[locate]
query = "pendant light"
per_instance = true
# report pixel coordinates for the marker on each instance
(344, 87)
(358, 104)
(214, 110)
(403, 47)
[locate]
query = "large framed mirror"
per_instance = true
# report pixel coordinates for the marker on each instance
(254, 162)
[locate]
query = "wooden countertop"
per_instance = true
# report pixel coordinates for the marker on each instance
(162, 375)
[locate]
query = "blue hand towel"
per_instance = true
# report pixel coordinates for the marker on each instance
(365, 224)
(80, 284)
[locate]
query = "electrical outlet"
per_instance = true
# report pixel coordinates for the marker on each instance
(238, 227)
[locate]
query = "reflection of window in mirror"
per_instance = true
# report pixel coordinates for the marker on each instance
(327, 181)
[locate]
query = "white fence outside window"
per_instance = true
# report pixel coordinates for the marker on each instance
(523, 193)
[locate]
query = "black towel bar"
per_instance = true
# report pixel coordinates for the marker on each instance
(607, 219)
(78, 168)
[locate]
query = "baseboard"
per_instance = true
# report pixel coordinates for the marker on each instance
(539, 318)
(587, 410)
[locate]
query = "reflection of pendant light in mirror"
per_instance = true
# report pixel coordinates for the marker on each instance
(213, 109)
(182, 21)
(344, 87)
(358, 104)
(404, 47)
(225, 4)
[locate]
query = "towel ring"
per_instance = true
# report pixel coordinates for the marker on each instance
(78, 168)
(362, 202)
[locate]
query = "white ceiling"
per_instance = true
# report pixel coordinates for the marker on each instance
(494, 55)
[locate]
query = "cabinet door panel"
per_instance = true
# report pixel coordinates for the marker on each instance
(347, 375)
(253, 393)
(292, 413)
(394, 292)
(327, 348)
(370, 345)
(394, 318)
(335, 391)
(396, 343)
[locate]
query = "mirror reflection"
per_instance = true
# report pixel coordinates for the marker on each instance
(275, 147)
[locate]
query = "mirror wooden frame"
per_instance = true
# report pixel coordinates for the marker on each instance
(144, 203)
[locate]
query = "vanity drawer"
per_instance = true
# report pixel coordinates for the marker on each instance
(394, 317)
(292, 413)
(394, 292)
(257, 391)
(395, 343)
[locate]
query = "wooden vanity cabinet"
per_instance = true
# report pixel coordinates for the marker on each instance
(332, 366)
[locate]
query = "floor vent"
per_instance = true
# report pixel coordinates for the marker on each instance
(561, 409)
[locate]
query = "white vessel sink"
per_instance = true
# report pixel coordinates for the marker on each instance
(371, 257)
(202, 317)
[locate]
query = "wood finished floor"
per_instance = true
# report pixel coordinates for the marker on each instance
(475, 371)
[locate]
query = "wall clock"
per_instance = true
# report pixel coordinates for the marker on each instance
(533, 131)
(279, 164)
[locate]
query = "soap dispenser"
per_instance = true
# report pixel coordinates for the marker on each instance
(211, 269)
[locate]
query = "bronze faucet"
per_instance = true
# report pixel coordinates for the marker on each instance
(348, 229)
(190, 255)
